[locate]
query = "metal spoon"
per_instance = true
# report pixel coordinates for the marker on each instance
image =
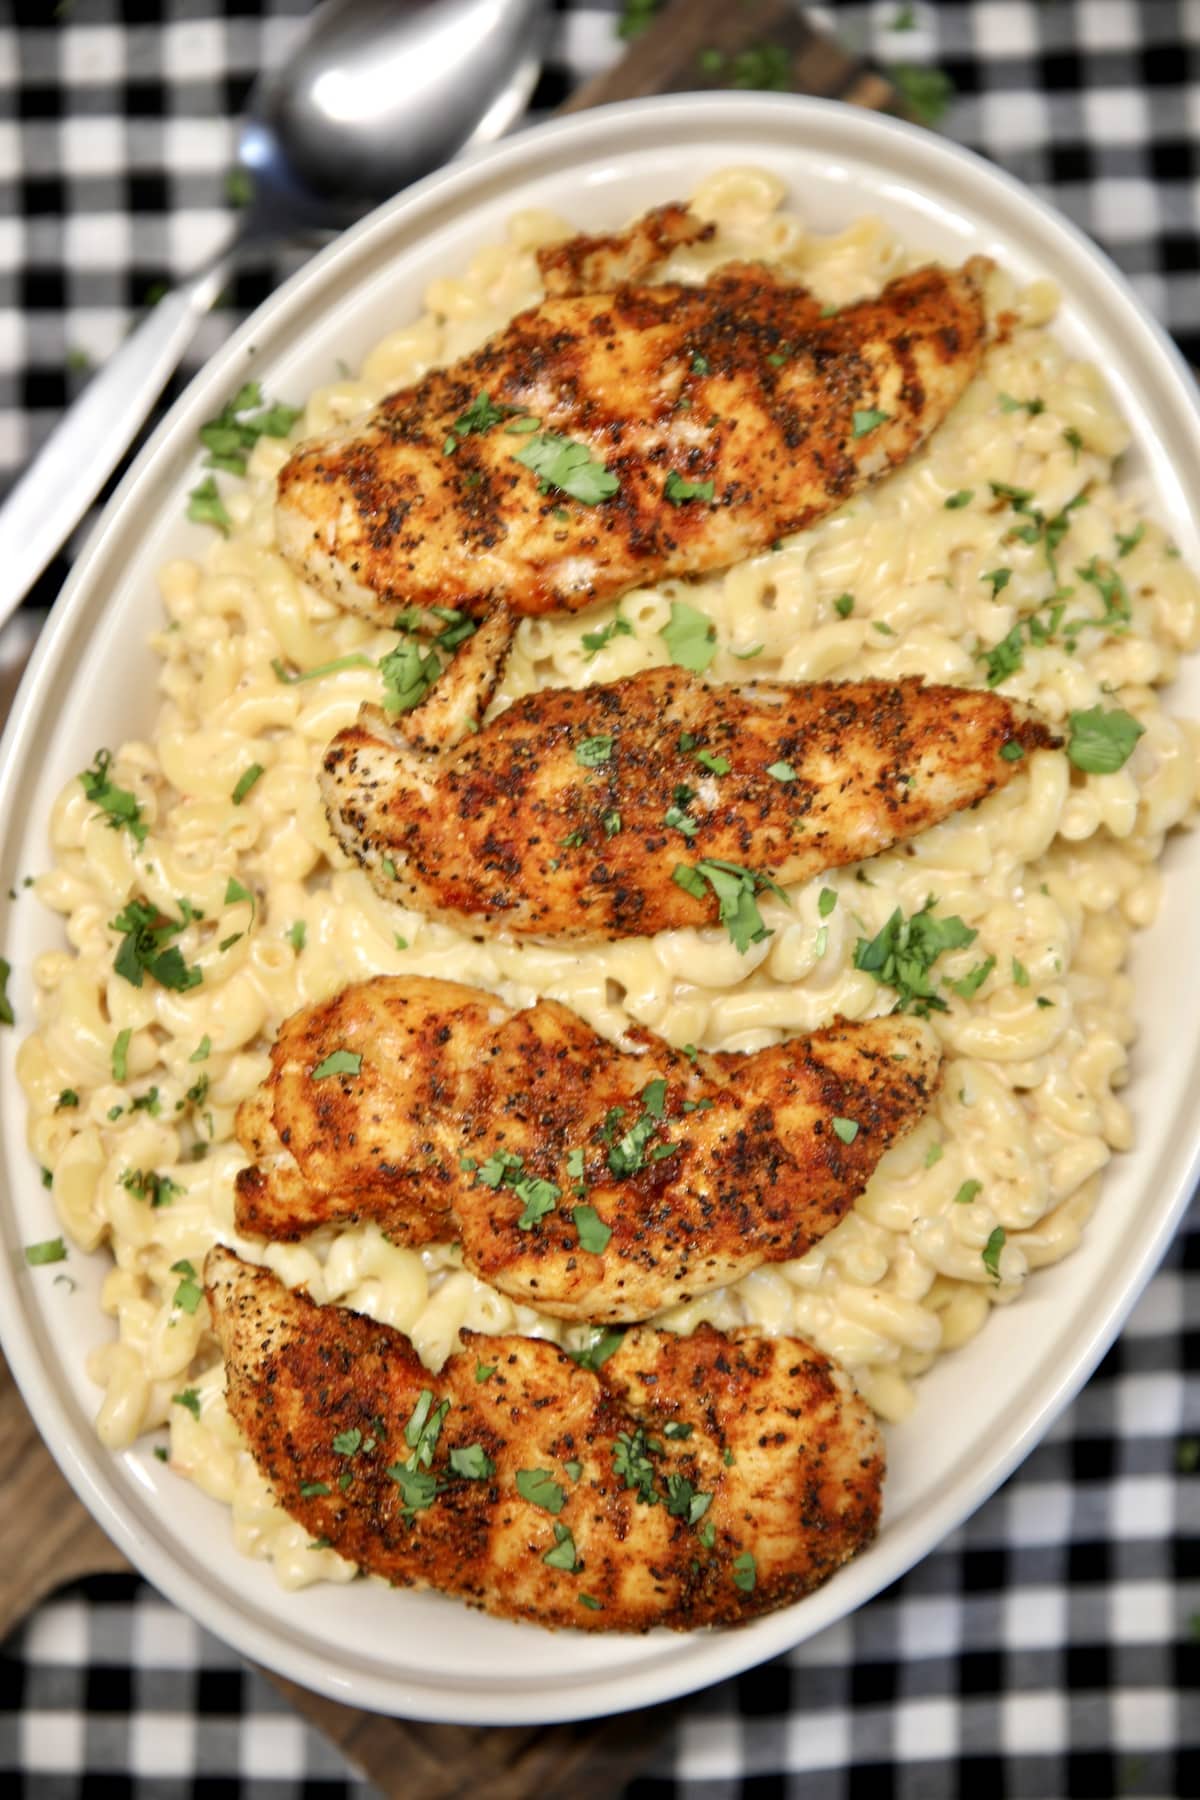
(375, 94)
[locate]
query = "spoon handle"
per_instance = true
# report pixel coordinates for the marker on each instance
(89, 440)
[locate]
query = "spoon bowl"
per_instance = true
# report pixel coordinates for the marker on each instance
(378, 94)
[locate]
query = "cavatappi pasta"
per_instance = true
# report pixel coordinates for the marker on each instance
(922, 576)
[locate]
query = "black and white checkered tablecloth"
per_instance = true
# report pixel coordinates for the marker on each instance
(1051, 1648)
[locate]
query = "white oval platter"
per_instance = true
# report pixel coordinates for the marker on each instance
(93, 681)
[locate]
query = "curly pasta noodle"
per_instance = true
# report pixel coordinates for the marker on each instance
(1055, 873)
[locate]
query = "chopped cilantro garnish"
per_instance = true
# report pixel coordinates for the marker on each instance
(311, 1490)
(338, 1062)
(843, 606)
(349, 1442)
(628, 1154)
(160, 1190)
(189, 1293)
(479, 417)
(781, 771)
(424, 1428)
(1032, 407)
(903, 951)
(67, 1098)
(189, 1398)
(591, 1602)
(504, 1169)
(539, 1487)
(205, 507)
(52, 1250)
(594, 641)
(143, 949)
(1127, 541)
(933, 1155)
(418, 1488)
(999, 579)
(245, 782)
(1102, 742)
(500, 1166)
(591, 752)
(690, 637)
(1020, 973)
(826, 901)
(1012, 751)
(678, 491)
(563, 1554)
(1017, 497)
(683, 1502)
(676, 819)
(562, 463)
(408, 674)
(745, 1572)
(484, 1372)
(967, 1192)
(410, 669)
(1003, 659)
(735, 889)
(120, 805)
(714, 762)
(970, 984)
(231, 436)
(846, 1129)
(605, 1340)
(868, 420)
(540, 1197)
(202, 1051)
(611, 822)
(963, 497)
(1113, 592)
(472, 1462)
(354, 661)
(120, 1054)
(991, 1252)
(297, 935)
(594, 1234)
(631, 1454)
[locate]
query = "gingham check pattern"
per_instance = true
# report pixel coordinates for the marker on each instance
(1051, 1648)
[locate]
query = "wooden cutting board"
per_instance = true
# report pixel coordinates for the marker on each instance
(47, 1539)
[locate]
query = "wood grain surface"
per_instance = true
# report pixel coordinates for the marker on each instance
(47, 1539)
